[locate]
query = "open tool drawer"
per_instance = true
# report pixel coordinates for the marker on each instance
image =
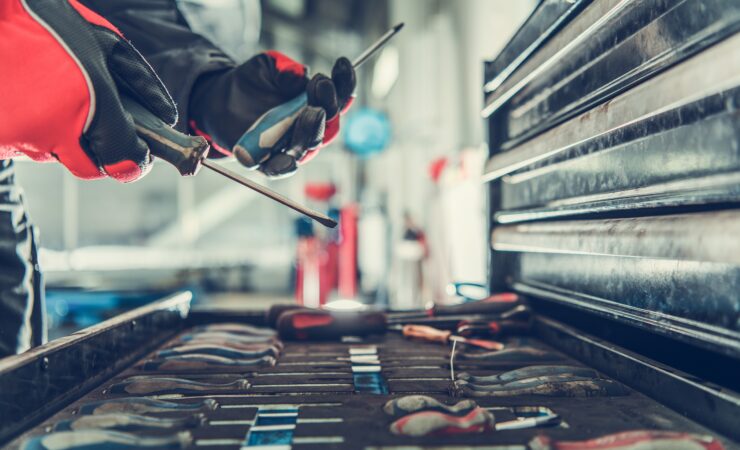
(308, 395)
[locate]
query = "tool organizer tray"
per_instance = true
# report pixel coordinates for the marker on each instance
(320, 402)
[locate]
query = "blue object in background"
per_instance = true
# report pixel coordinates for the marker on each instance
(69, 310)
(366, 132)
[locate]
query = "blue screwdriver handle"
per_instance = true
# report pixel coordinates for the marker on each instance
(272, 130)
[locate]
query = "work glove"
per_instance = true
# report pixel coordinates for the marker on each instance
(226, 104)
(64, 71)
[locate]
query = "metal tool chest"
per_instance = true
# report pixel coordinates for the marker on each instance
(615, 149)
(613, 179)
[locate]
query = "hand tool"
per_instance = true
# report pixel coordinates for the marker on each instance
(414, 403)
(226, 352)
(227, 337)
(493, 305)
(188, 153)
(236, 328)
(576, 387)
(430, 334)
(329, 325)
(424, 423)
(519, 354)
(493, 328)
(529, 372)
(529, 422)
(162, 385)
(632, 440)
(525, 382)
(104, 439)
(277, 123)
(130, 422)
(133, 405)
(202, 362)
(229, 344)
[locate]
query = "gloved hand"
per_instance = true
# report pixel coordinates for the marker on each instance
(224, 105)
(64, 69)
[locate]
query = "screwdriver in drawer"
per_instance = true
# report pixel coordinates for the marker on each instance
(494, 305)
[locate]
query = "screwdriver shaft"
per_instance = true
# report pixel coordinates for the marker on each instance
(364, 56)
(315, 215)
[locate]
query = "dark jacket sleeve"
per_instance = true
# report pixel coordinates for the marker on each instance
(158, 30)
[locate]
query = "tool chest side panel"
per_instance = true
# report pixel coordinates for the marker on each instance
(37, 383)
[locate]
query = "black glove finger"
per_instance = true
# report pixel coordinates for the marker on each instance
(307, 132)
(322, 93)
(345, 80)
(286, 76)
(136, 78)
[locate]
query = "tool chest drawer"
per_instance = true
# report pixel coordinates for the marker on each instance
(318, 395)
(614, 161)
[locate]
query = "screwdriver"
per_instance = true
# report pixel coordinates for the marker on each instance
(279, 122)
(493, 328)
(188, 154)
(495, 304)
(431, 334)
(314, 324)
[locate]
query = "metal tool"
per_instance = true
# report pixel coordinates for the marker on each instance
(494, 328)
(573, 387)
(402, 406)
(505, 305)
(632, 440)
(201, 362)
(519, 354)
(140, 405)
(87, 439)
(188, 154)
(529, 422)
(529, 372)
(431, 334)
(278, 121)
(130, 422)
(217, 350)
(237, 328)
(220, 335)
(162, 385)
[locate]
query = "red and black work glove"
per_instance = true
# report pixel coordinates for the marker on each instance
(224, 105)
(64, 70)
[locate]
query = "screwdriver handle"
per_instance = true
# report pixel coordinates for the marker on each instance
(310, 324)
(426, 333)
(272, 130)
(182, 151)
(275, 311)
(495, 304)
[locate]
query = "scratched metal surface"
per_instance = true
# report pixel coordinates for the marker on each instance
(614, 177)
(609, 47)
(547, 19)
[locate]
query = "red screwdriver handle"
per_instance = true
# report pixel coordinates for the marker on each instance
(317, 325)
